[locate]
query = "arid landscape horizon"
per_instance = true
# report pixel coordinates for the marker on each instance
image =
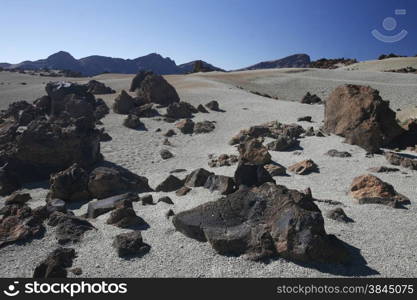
(304, 191)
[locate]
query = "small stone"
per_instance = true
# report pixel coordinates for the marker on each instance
(166, 200)
(183, 191)
(166, 154)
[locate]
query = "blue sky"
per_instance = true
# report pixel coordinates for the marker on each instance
(227, 33)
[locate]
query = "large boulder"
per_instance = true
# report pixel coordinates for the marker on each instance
(8, 181)
(369, 189)
(45, 147)
(263, 222)
(123, 103)
(359, 114)
(137, 80)
(60, 91)
(110, 181)
(155, 89)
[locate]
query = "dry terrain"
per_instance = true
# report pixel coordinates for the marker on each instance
(382, 239)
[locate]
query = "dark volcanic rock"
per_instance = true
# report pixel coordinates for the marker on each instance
(180, 110)
(283, 143)
(197, 178)
(96, 87)
(311, 99)
(223, 160)
(304, 119)
(263, 222)
(132, 122)
(144, 111)
(17, 198)
(48, 146)
(155, 89)
(204, 127)
(130, 243)
(138, 79)
(202, 109)
(123, 103)
(125, 217)
(147, 200)
(185, 126)
(8, 182)
(56, 264)
(383, 169)
(165, 154)
(336, 153)
(166, 200)
(102, 206)
(338, 214)
(106, 182)
(403, 160)
(69, 228)
(19, 223)
(213, 105)
(170, 184)
(224, 184)
(359, 114)
(69, 185)
(251, 175)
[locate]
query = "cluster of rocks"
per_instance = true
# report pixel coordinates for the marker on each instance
(188, 126)
(222, 160)
(404, 70)
(335, 63)
(311, 99)
(51, 134)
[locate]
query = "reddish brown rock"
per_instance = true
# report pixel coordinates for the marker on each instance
(369, 189)
(359, 114)
(304, 167)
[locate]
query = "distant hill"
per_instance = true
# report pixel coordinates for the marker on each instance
(189, 67)
(96, 64)
(293, 61)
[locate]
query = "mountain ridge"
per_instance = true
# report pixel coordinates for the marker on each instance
(97, 64)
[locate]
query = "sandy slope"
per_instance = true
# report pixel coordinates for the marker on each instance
(384, 65)
(382, 239)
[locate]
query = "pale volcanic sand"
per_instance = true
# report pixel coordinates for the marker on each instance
(384, 236)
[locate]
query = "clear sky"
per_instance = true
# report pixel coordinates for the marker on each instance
(227, 33)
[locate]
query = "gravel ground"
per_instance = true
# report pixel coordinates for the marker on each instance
(382, 240)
